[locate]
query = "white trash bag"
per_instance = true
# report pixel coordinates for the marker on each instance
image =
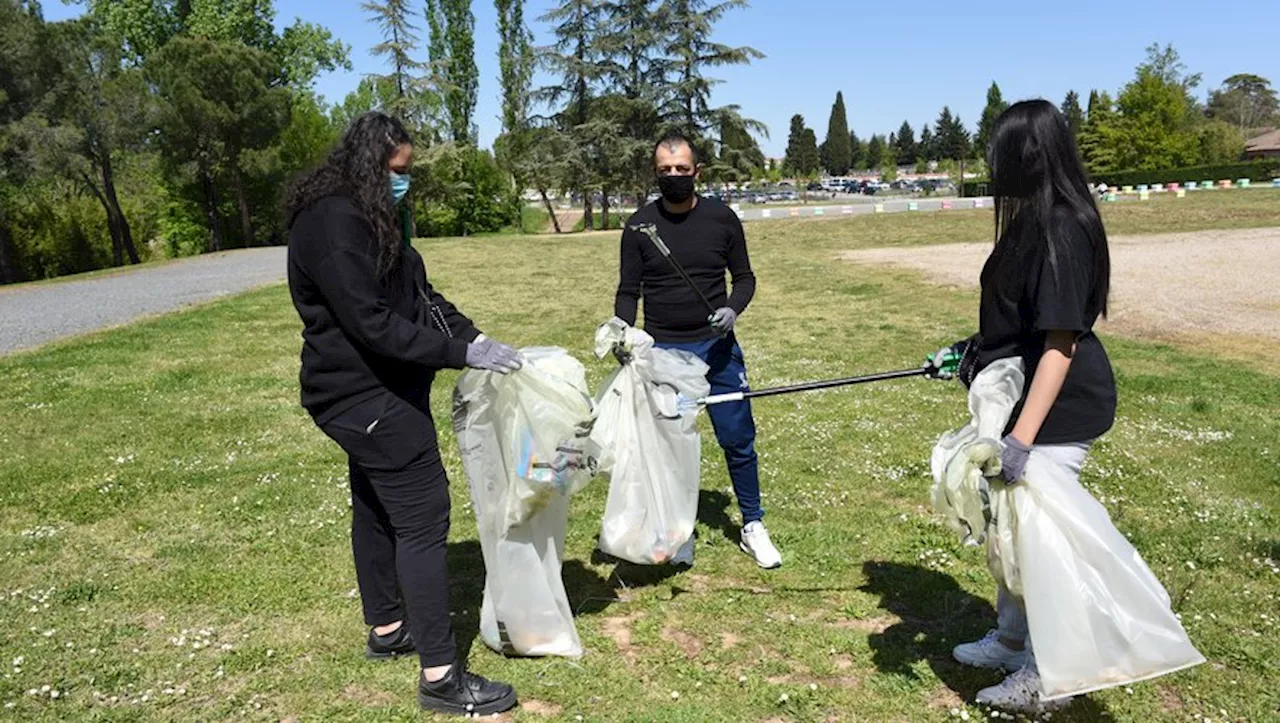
(525, 446)
(1097, 616)
(646, 429)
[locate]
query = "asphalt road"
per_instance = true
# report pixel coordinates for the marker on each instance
(37, 314)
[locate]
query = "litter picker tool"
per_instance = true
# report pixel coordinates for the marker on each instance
(811, 386)
(651, 231)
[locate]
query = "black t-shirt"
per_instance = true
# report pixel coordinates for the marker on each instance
(707, 241)
(1019, 309)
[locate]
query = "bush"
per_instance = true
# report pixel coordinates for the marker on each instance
(461, 192)
(1263, 170)
(1256, 171)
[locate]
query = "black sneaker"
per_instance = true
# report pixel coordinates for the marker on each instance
(394, 644)
(464, 693)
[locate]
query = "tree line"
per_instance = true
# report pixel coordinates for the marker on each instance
(162, 128)
(151, 127)
(1154, 122)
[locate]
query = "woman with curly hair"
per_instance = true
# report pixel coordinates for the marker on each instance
(375, 333)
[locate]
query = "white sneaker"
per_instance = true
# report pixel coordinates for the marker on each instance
(990, 653)
(1020, 693)
(756, 543)
(684, 556)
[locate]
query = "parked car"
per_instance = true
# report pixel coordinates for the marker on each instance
(814, 186)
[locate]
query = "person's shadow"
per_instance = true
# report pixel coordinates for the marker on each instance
(714, 511)
(466, 591)
(934, 615)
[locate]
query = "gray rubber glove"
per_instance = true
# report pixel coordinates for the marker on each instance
(723, 320)
(1013, 459)
(489, 355)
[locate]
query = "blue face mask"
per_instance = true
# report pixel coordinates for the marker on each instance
(399, 186)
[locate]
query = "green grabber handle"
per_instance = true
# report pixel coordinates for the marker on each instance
(950, 364)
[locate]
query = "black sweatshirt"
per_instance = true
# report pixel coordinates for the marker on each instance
(363, 335)
(707, 241)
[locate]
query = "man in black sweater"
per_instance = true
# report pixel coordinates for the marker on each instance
(706, 238)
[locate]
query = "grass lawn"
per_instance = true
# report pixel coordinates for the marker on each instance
(174, 530)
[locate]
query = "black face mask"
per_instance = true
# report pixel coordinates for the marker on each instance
(676, 189)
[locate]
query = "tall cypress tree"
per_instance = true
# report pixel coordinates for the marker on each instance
(838, 150)
(809, 162)
(793, 159)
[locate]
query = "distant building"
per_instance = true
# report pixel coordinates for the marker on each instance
(1266, 145)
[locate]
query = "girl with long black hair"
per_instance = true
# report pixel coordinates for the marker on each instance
(375, 333)
(1043, 287)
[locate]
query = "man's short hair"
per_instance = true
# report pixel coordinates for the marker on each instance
(675, 140)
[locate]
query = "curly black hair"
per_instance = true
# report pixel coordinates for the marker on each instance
(357, 168)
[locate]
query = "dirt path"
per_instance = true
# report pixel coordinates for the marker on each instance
(1165, 286)
(568, 219)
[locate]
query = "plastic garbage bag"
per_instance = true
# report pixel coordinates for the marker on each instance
(963, 459)
(525, 443)
(1097, 615)
(646, 428)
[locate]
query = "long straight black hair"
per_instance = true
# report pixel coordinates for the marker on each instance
(1036, 172)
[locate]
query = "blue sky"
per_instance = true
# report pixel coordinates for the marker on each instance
(893, 60)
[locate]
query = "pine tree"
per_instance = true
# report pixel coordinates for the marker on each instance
(1093, 103)
(400, 41)
(1071, 109)
(857, 152)
(875, 152)
(1097, 137)
(928, 148)
(995, 106)
(905, 147)
(691, 23)
(838, 151)
(631, 41)
(574, 63)
(951, 137)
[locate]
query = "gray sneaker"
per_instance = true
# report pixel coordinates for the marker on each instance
(1020, 693)
(990, 653)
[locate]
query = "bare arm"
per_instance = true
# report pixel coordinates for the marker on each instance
(1051, 372)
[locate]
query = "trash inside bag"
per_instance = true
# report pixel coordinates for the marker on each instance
(649, 446)
(526, 447)
(1097, 616)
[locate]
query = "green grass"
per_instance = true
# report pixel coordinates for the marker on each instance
(172, 521)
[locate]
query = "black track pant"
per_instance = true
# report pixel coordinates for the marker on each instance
(400, 518)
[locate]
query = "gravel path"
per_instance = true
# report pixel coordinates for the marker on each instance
(1225, 282)
(34, 315)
